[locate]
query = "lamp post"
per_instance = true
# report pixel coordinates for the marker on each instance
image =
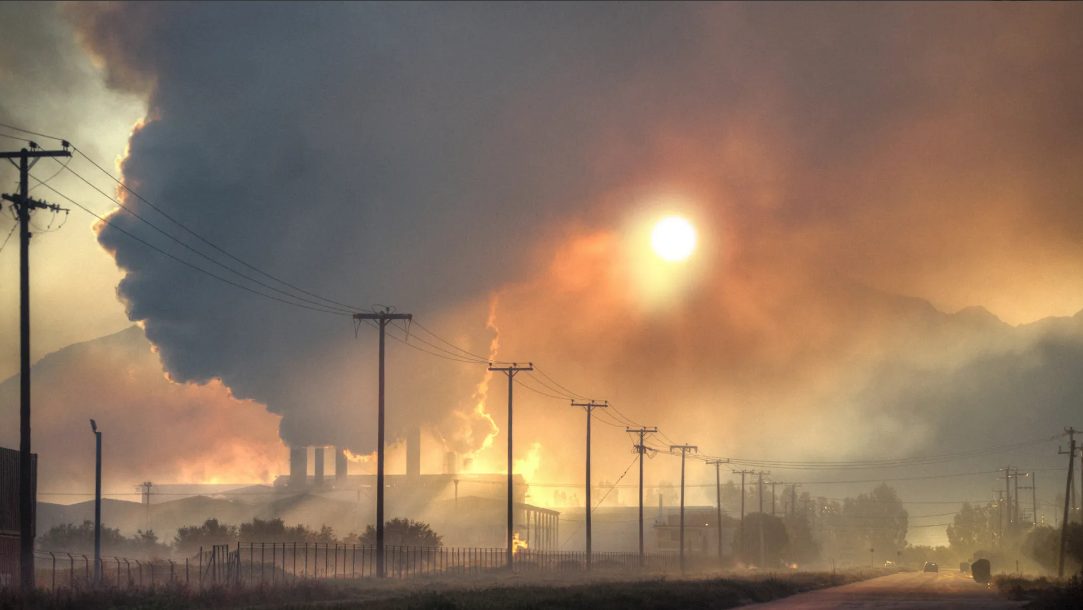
(97, 502)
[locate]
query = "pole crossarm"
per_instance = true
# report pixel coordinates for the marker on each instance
(32, 204)
(511, 372)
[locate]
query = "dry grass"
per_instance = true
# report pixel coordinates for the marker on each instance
(522, 591)
(1043, 593)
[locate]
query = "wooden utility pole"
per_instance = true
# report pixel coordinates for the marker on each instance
(773, 484)
(589, 407)
(1067, 494)
(510, 371)
(763, 550)
(1007, 500)
(684, 449)
(382, 318)
(24, 205)
(741, 530)
(718, 499)
(641, 449)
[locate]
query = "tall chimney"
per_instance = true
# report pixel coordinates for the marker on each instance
(341, 465)
(451, 463)
(318, 456)
(413, 453)
(298, 466)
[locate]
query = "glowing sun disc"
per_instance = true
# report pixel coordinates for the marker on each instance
(673, 238)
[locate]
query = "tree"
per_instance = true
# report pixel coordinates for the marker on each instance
(972, 528)
(190, 538)
(276, 530)
(1042, 545)
(802, 548)
(774, 540)
(877, 520)
(71, 538)
(404, 532)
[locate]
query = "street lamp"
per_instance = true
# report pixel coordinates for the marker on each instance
(97, 502)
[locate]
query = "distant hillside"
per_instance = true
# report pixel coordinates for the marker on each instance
(153, 429)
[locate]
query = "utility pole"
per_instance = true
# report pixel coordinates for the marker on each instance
(763, 559)
(1015, 496)
(772, 484)
(510, 371)
(1034, 496)
(24, 205)
(1067, 493)
(382, 318)
(1000, 515)
(97, 502)
(589, 407)
(147, 486)
(1007, 500)
(793, 498)
(641, 449)
(718, 499)
(741, 531)
(684, 452)
(1034, 508)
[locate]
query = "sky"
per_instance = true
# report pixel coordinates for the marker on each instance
(886, 200)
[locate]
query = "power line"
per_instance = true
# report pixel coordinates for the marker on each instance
(10, 233)
(206, 241)
(186, 246)
(189, 264)
(33, 133)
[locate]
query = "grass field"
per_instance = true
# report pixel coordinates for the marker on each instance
(512, 591)
(1043, 593)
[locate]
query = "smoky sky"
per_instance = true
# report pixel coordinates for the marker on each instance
(433, 157)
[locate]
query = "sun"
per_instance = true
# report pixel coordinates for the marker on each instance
(673, 238)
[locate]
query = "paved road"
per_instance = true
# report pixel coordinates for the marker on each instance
(911, 590)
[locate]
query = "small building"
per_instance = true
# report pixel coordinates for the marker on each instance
(10, 535)
(700, 532)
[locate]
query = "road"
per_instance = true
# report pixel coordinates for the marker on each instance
(946, 590)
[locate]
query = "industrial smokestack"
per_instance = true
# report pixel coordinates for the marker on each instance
(319, 458)
(451, 460)
(298, 466)
(413, 452)
(341, 465)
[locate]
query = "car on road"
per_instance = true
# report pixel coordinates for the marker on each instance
(930, 567)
